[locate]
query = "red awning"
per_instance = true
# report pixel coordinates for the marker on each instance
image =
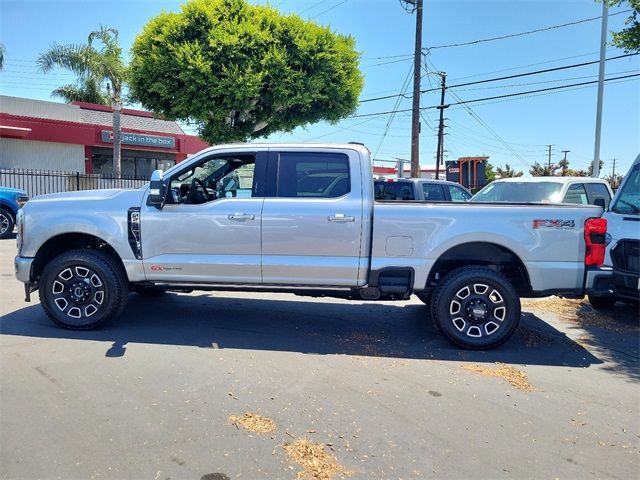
(15, 132)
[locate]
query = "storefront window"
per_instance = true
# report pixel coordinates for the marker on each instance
(134, 164)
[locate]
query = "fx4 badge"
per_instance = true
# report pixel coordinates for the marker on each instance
(556, 223)
(159, 268)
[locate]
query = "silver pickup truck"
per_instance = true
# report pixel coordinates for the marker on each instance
(301, 219)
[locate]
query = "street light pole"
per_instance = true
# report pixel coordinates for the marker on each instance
(595, 171)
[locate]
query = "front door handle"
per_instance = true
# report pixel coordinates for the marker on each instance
(241, 216)
(341, 217)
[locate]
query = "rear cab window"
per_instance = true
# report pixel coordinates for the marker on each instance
(313, 175)
(576, 193)
(385, 190)
(433, 192)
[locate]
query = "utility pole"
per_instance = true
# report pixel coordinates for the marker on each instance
(549, 161)
(613, 173)
(415, 116)
(565, 154)
(595, 171)
(440, 150)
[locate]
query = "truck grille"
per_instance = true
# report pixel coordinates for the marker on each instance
(626, 256)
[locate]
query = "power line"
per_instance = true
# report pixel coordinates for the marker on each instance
(543, 81)
(496, 97)
(544, 89)
(397, 104)
(527, 65)
(409, 55)
(544, 29)
(546, 70)
(313, 6)
(328, 9)
(508, 77)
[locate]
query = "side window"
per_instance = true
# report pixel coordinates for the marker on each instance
(458, 194)
(433, 193)
(394, 191)
(212, 179)
(313, 175)
(576, 194)
(598, 190)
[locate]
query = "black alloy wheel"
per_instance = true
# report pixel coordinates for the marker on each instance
(476, 308)
(82, 289)
(7, 223)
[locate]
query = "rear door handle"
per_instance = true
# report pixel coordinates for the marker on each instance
(341, 217)
(241, 216)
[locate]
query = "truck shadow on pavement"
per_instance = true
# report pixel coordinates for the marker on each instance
(331, 327)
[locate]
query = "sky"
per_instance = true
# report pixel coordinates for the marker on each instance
(514, 130)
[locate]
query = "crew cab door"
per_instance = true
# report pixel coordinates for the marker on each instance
(312, 219)
(213, 238)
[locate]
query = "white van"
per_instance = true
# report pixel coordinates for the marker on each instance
(619, 277)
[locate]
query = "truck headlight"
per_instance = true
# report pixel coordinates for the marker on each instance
(22, 199)
(20, 225)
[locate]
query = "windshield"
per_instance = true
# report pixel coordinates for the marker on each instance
(627, 200)
(519, 192)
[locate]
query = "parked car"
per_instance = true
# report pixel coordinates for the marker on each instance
(421, 189)
(579, 190)
(619, 276)
(303, 233)
(11, 199)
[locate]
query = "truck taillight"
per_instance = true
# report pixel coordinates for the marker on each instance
(595, 230)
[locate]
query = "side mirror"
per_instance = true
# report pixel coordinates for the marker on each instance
(599, 202)
(156, 190)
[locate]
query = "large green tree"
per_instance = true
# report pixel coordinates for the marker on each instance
(241, 71)
(629, 37)
(97, 62)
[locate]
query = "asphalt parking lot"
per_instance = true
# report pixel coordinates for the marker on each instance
(149, 395)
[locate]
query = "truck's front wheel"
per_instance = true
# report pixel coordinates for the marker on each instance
(82, 289)
(476, 308)
(7, 222)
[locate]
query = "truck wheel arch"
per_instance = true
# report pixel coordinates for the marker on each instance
(485, 254)
(65, 242)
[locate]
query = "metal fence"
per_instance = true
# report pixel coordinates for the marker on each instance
(39, 182)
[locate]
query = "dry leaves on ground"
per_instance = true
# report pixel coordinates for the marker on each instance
(578, 311)
(316, 462)
(368, 345)
(253, 422)
(517, 378)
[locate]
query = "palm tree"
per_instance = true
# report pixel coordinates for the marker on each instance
(85, 90)
(102, 65)
(1, 56)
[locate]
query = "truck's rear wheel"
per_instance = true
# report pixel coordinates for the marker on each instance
(82, 289)
(602, 302)
(476, 308)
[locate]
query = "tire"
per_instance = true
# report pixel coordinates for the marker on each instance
(476, 308)
(7, 222)
(82, 289)
(148, 291)
(424, 297)
(602, 302)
